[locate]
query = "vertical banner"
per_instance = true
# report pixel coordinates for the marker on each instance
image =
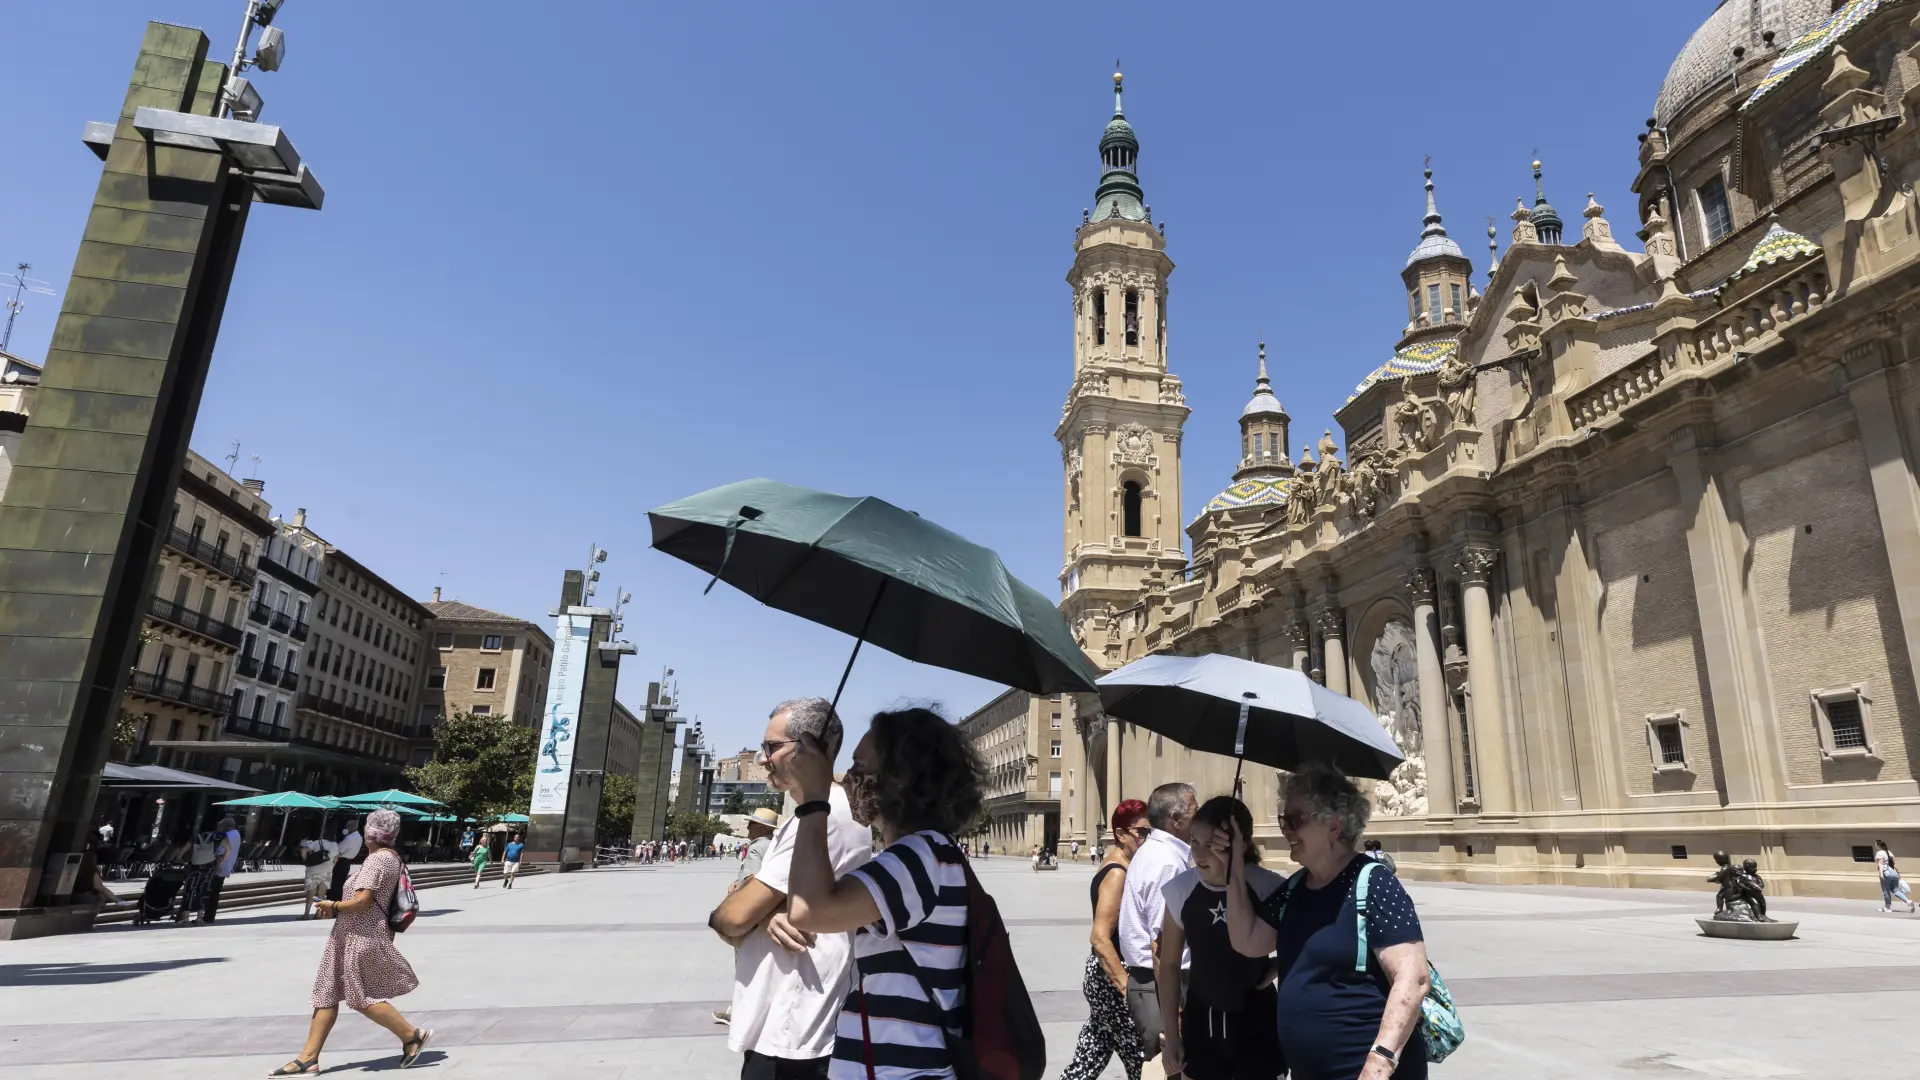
(553, 764)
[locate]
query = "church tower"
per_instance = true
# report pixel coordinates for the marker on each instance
(1263, 432)
(1120, 430)
(1437, 278)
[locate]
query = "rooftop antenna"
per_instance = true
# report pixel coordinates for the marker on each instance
(254, 473)
(22, 284)
(233, 457)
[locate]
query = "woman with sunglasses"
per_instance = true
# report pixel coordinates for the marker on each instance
(1110, 1030)
(1337, 1019)
(917, 779)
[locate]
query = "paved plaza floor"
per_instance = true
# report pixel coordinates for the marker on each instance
(612, 973)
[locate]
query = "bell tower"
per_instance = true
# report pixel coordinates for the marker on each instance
(1120, 429)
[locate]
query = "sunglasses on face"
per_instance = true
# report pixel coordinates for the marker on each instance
(772, 746)
(1140, 831)
(1294, 819)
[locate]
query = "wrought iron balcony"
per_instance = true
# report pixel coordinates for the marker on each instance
(248, 667)
(282, 622)
(259, 612)
(299, 631)
(270, 674)
(248, 727)
(197, 549)
(289, 679)
(148, 684)
(194, 622)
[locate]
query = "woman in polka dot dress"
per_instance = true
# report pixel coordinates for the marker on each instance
(1336, 1021)
(360, 965)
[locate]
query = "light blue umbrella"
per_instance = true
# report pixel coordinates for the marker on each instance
(1255, 712)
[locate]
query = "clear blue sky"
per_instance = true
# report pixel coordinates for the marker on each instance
(579, 260)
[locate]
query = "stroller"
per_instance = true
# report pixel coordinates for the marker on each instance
(156, 900)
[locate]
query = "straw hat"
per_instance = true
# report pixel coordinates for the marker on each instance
(766, 817)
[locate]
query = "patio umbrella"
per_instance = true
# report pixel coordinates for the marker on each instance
(1254, 712)
(284, 801)
(886, 575)
(392, 797)
(518, 819)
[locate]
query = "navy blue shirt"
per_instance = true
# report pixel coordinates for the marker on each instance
(1329, 1011)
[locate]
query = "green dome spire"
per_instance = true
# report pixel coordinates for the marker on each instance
(1119, 193)
(1546, 221)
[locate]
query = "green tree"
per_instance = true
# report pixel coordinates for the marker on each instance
(481, 765)
(616, 809)
(736, 802)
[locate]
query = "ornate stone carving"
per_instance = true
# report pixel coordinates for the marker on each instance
(1419, 585)
(1300, 500)
(1170, 391)
(1298, 634)
(1326, 475)
(1415, 421)
(1074, 471)
(1459, 382)
(1475, 564)
(1396, 693)
(1133, 445)
(1367, 484)
(1332, 623)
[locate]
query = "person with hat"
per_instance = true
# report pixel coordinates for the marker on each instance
(760, 826)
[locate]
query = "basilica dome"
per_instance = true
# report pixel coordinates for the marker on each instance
(1707, 60)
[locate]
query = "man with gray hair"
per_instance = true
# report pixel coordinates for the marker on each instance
(1162, 856)
(788, 984)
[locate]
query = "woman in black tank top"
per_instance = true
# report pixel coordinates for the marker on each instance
(1110, 1029)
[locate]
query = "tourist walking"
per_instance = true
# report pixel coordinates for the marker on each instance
(510, 861)
(317, 854)
(1225, 1029)
(1110, 1030)
(226, 856)
(348, 855)
(360, 965)
(482, 855)
(1372, 850)
(787, 983)
(1334, 1023)
(917, 779)
(1160, 858)
(1891, 884)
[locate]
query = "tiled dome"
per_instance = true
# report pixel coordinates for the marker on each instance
(1707, 59)
(1258, 492)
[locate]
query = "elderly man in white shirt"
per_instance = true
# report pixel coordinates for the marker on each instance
(349, 850)
(788, 984)
(1162, 856)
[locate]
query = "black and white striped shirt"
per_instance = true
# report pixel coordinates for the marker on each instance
(920, 886)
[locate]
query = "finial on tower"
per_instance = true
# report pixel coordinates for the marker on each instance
(1546, 221)
(1263, 360)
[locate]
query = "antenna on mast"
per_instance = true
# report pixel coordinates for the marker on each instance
(254, 473)
(22, 284)
(233, 457)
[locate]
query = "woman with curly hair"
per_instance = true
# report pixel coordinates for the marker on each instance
(916, 778)
(1110, 1030)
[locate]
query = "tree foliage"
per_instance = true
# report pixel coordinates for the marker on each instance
(736, 802)
(481, 765)
(699, 828)
(615, 825)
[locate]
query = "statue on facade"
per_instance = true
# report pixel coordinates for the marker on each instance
(1327, 474)
(1742, 896)
(1459, 384)
(1367, 483)
(1300, 500)
(1075, 467)
(1411, 419)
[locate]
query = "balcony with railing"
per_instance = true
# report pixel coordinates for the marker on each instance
(174, 691)
(197, 549)
(248, 667)
(289, 679)
(270, 673)
(259, 612)
(249, 728)
(299, 631)
(314, 703)
(194, 622)
(282, 622)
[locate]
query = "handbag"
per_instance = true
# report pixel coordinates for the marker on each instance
(205, 846)
(1440, 1026)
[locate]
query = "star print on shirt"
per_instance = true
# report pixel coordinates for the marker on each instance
(1219, 912)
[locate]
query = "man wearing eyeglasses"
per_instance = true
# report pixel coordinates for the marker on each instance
(1163, 855)
(788, 984)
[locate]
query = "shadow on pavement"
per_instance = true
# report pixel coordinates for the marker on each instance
(86, 974)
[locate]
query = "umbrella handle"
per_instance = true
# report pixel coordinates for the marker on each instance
(873, 609)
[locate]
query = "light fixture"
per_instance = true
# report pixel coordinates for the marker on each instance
(244, 99)
(599, 555)
(264, 11)
(271, 50)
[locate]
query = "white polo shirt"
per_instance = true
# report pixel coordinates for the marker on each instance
(785, 1004)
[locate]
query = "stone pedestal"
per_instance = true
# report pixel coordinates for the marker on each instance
(1747, 931)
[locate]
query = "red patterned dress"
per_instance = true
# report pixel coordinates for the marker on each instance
(360, 965)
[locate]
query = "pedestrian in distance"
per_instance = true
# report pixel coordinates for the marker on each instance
(1110, 1030)
(226, 857)
(482, 855)
(1225, 1029)
(788, 983)
(510, 861)
(1891, 884)
(1335, 1022)
(360, 966)
(466, 840)
(1372, 850)
(1162, 856)
(349, 855)
(917, 779)
(761, 825)
(317, 855)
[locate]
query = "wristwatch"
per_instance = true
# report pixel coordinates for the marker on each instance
(1385, 1053)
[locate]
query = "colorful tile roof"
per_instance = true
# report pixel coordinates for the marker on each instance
(1256, 492)
(1814, 43)
(1778, 246)
(1412, 360)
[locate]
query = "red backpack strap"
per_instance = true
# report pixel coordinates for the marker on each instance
(866, 1033)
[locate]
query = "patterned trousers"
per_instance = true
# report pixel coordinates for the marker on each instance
(1109, 1029)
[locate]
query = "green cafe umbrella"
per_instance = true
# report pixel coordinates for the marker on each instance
(392, 797)
(284, 801)
(886, 575)
(518, 819)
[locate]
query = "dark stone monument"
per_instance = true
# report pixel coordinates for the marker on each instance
(98, 462)
(567, 838)
(1740, 907)
(653, 777)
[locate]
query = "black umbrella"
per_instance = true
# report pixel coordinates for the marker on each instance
(883, 574)
(1255, 712)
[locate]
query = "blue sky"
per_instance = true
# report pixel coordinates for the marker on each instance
(579, 260)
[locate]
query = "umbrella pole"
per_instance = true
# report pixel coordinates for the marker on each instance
(872, 610)
(285, 816)
(1238, 764)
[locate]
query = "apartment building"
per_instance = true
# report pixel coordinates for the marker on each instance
(266, 677)
(623, 742)
(19, 380)
(1019, 737)
(179, 686)
(744, 765)
(483, 664)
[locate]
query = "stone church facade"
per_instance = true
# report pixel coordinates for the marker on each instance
(1622, 545)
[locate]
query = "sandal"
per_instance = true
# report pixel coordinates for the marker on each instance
(418, 1042)
(298, 1067)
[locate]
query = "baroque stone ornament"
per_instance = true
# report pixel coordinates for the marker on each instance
(1075, 468)
(1332, 623)
(1419, 585)
(1475, 564)
(1133, 445)
(1459, 382)
(1396, 692)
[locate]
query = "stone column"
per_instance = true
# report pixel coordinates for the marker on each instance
(1115, 737)
(1333, 631)
(1435, 738)
(1895, 497)
(1300, 638)
(1493, 767)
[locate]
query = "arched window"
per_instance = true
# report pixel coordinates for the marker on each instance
(1099, 316)
(1132, 317)
(1130, 508)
